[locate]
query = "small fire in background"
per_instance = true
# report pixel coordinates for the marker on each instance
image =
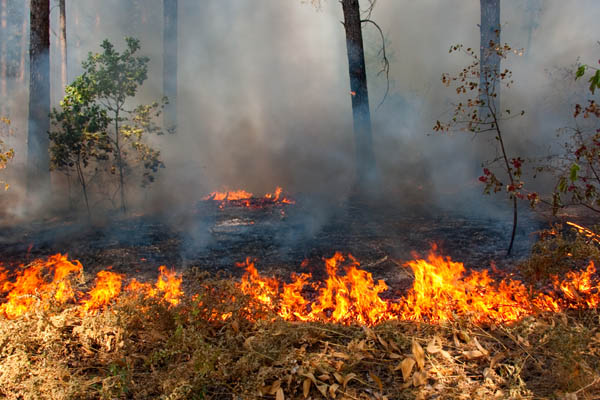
(242, 198)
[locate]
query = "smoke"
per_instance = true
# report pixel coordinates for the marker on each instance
(264, 96)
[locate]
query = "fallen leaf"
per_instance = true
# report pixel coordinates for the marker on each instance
(473, 354)
(332, 389)
(377, 381)
(348, 378)
(323, 389)
(434, 346)
(279, 395)
(406, 366)
(419, 378)
(306, 387)
(418, 354)
(338, 377)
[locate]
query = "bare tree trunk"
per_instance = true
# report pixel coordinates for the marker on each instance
(23, 47)
(63, 44)
(38, 160)
(365, 158)
(4, 36)
(170, 62)
(490, 60)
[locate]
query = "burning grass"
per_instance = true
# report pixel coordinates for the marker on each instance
(453, 335)
(242, 198)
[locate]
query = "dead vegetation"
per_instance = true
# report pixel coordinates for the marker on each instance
(219, 344)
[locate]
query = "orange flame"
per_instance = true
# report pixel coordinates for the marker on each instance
(247, 199)
(46, 281)
(39, 282)
(441, 291)
(108, 288)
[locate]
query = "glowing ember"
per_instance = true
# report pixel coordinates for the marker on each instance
(241, 198)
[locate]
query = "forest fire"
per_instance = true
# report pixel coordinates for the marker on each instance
(50, 281)
(442, 291)
(242, 198)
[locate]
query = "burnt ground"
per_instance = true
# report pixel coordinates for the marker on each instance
(279, 236)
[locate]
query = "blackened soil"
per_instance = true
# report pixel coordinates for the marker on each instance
(280, 237)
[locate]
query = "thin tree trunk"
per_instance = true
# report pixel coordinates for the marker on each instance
(365, 158)
(4, 37)
(490, 60)
(120, 161)
(38, 160)
(23, 46)
(63, 44)
(170, 62)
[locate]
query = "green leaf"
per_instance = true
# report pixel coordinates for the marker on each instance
(595, 81)
(580, 71)
(573, 172)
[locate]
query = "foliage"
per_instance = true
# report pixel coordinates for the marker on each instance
(96, 126)
(479, 113)
(79, 132)
(578, 180)
(6, 154)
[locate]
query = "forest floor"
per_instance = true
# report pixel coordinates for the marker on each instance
(144, 348)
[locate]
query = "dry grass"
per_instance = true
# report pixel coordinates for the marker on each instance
(141, 349)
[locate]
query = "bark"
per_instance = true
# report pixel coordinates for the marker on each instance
(365, 158)
(38, 160)
(170, 62)
(4, 36)
(23, 47)
(490, 60)
(63, 44)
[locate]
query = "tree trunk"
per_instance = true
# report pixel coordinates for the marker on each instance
(170, 62)
(4, 37)
(63, 44)
(23, 47)
(365, 158)
(38, 160)
(490, 60)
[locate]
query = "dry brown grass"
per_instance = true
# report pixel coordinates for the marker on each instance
(139, 348)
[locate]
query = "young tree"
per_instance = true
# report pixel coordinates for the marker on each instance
(489, 56)
(96, 124)
(38, 160)
(477, 115)
(365, 156)
(579, 168)
(170, 62)
(79, 133)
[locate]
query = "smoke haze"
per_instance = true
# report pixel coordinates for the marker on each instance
(264, 97)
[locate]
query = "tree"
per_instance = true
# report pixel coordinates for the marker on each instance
(478, 115)
(365, 156)
(38, 160)
(490, 59)
(170, 62)
(579, 168)
(95, 125)
(63, 43)
(79, 134)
